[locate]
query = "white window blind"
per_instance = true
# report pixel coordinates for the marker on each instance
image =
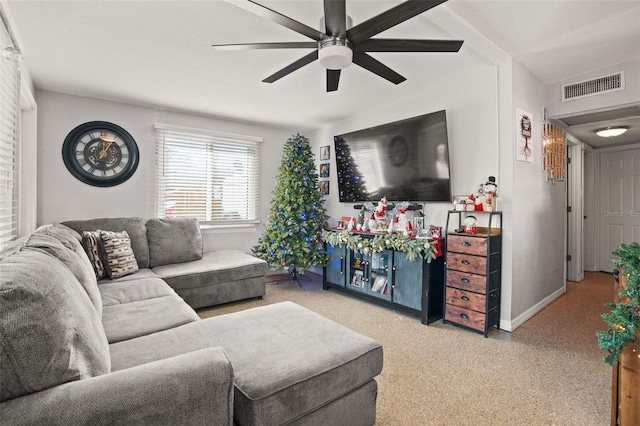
(212, 176)
(9, 143)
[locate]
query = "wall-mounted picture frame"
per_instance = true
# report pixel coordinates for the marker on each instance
(325, 152)
(324, 187)
(324, 170)
(524, 143)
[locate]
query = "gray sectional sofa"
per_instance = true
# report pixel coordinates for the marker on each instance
(171, 248)
(75, 350)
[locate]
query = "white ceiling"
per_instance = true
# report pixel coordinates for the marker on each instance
(158, 53)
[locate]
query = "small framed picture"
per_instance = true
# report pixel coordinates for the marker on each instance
(324, 170)
(324, 187)
(325, 152)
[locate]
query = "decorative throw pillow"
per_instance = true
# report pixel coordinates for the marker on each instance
(118, 257)
(91, 244)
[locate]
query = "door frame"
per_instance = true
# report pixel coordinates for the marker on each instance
(575, 218)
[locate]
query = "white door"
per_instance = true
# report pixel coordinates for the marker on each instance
(619, 203)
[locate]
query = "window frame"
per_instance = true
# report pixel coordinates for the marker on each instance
(10, 145)
(217, 139)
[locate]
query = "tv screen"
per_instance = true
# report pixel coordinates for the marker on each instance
(407, 160)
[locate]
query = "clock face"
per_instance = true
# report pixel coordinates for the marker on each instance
(100, 153)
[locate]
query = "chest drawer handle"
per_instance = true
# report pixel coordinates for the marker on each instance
(466, 243)
(465, 262)
(464, 316)
(465, 280)
(465, 298)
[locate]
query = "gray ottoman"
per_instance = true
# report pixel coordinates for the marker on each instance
(291, 365)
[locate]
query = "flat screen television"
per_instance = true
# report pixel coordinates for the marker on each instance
(407, 160)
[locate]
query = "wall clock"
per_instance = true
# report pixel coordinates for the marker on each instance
(101, 154)
(398, 151)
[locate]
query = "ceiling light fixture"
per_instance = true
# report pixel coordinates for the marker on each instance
(335, 54)
(610, 132)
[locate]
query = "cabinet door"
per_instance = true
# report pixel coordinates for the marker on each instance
(407, 284)
(336, 266)
(379, 280)
(358, 272)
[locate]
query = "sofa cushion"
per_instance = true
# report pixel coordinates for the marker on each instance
(66, 235)
(91, 244)
(130, 320)
(50, 333)
(117, 292)
(117, 255)
(62, 242)
(173, 240)
(219, 277)
(215, 267)
(287, 360)
(140, 274)
(135, 227)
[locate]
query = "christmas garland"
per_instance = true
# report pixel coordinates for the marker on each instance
(624, 318)
(414, 248)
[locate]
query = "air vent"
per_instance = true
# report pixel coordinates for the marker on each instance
(596, 86)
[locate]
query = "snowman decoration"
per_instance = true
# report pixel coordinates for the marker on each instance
(490, 190)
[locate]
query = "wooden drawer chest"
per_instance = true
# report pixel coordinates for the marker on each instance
(473, 275)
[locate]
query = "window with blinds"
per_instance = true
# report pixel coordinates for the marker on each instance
(212, 176)
(9, 143)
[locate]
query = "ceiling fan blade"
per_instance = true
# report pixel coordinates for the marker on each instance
(284, 45)
(369, 63)
(307, 59)
(333, 78)
(408, 45)
(390, 18)
(281, 19)
(335, 18)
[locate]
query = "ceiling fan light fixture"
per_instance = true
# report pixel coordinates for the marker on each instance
(335, 54)
(610, 132)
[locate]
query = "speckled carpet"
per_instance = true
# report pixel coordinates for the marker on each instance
(549, 371)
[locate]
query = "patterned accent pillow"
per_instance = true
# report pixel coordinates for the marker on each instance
(91, 244)
(118, 257)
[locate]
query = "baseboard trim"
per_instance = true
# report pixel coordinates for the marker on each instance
(529, 313)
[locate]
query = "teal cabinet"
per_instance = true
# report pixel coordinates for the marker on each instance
(407, 282)
(336, 269)
(389, 278)
(378, 277)
(358, 272)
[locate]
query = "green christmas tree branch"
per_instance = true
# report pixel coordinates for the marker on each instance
(414, 248)
(624, 318)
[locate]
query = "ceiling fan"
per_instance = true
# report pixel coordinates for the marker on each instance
(339, 46)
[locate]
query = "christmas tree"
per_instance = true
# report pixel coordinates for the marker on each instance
(352, 187)
(293, 234)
